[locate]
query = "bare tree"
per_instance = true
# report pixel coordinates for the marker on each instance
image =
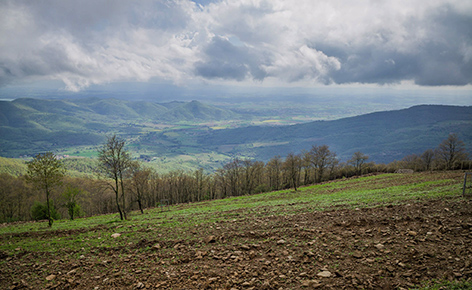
(45, 171)
(114, 160)
(139, 182)
(358, 160)
(321, 158)
(450, 151)
(427, 159)
(292, 167)
(274, 169)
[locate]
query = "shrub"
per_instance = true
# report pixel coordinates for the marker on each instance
(39, 211)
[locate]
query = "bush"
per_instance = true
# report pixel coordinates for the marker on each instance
(39, 211)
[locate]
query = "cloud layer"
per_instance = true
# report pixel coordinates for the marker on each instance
(303, 42)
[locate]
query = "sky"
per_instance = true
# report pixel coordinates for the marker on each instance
(74, 46)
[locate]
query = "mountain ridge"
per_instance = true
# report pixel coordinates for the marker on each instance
(29, 126)
(394, 133)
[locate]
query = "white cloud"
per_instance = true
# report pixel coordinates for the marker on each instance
(91, 42)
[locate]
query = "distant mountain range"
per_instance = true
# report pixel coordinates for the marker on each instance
(37, 125)
(384, 136)
(29, 126)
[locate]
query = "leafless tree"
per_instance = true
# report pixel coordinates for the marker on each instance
(358, 160)
(321, 158)
(114, 160)
(451, 151)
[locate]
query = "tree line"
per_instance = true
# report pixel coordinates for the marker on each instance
(123, 185)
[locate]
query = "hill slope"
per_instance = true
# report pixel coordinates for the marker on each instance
(29, 126)
(388, 231)
(385, 136)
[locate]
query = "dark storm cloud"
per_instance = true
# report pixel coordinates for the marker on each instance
(272, 42)
(227, 61)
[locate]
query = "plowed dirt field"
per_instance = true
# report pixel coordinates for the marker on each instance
(388, 246)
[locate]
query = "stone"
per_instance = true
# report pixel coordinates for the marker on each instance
(210, 239)
(281, 242)
(311, 283)
(357, 255)
(324, 274)
(200, 254)
(156, 246)
(412, 233)
(72, 272)
(140, 285)
(116, 235)
(51, 277)
(379, 246)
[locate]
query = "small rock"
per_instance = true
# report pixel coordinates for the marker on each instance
(281, 242)
(357, 255)
(200, 254)
(72, 272)
(324, 274)
(311, 283)
(51, 277)
(401, 265)
(412, 233)
(116, 235)
(210, 239)
(156, 246)
(379, 246)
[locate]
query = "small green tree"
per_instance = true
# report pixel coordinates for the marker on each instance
(45, 172)
(70, 196)
(39, 211)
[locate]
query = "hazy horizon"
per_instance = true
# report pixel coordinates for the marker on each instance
(416, 51)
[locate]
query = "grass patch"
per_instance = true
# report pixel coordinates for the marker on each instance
(350, 193)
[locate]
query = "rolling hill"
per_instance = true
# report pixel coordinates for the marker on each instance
(29, 126)
(384, 136)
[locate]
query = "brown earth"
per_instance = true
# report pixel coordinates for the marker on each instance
(390, 247)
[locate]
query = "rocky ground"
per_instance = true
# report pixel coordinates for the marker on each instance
(389, 247)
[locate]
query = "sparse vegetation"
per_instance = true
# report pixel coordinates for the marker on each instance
(333, 225)
(300, 201)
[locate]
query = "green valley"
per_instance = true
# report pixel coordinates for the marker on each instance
(192, 135)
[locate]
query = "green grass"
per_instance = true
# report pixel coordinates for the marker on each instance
(450, 285)
(96, 231)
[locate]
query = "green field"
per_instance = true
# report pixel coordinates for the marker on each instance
(282, 239)
(372, 191)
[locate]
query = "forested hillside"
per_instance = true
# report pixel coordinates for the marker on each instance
(29, 126)
(192, 135)
(384, 136)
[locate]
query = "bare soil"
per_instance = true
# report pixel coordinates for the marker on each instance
(387, 247)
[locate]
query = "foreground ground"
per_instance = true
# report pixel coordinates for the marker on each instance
(395, 232)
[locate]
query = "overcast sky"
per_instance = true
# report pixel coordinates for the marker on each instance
(303, 43)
